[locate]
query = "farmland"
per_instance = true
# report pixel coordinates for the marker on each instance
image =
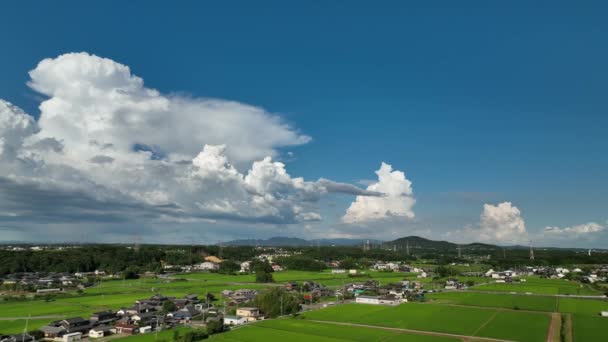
(506, 301)
(541, 286)
(301, 330)
(515, 317)
(495, 323)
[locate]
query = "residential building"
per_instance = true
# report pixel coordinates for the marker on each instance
(249, 313)
(234, 320)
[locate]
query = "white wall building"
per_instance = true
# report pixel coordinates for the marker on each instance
(72, 337)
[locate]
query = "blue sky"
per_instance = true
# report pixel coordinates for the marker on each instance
(477, 103)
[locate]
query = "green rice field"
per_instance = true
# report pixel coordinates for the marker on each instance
(296, 330)
(482, 322)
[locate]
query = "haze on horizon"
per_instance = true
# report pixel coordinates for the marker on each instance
(479, 123)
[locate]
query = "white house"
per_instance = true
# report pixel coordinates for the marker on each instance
(604, 313)
(234, 320)
(368, 300)
(76, 336)
(245, 266)
(208, 266)
(353, 271)
(145, 330)
(422, 275)
(338, 271)
(101, 331)
(489, 273)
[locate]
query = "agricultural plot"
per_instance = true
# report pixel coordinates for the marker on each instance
(505, 301)
(588, 307)
(541, 286)
(442, 318)
(589, 328)
(8, 327)
(302, 330)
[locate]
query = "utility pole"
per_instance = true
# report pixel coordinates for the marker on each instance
(25, 328)
(459, 252)
(281, 305)
(407, 247)
(531, 251)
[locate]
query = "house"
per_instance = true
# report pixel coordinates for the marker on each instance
(604, 313)
(277, 267)
(75, 336)
(249, 313)
(17, 338)
(234, 320)
(213, 259)
(124, 328)
(368, 299)
(103, 317)
(185, 314)
(144, 318)
(101, 331)
(245, 267)
(145, 330)
(76, 324)
(53, 330)
(208, 266)
(338, 271)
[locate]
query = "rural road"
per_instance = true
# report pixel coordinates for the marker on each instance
(419, 332)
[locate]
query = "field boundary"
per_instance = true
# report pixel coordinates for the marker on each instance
(486, 322)
(553, 333)
(412, 331)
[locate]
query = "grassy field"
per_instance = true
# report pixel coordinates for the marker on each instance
(441, 318)
(506, 301)
(166, 335)
(295, 330)
(589, 328)
(16, 326)
(586, 307)
(541, 286)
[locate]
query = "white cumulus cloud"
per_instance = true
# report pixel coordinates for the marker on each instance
(499, 224)
(107, 148)
(502, 223)
(575, 231)
(397, 200)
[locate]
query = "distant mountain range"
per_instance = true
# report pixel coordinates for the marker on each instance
(401, 243)
(281, 241)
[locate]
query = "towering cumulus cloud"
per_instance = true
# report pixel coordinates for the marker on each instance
(397, 199)
(105, 147)
(502, 223)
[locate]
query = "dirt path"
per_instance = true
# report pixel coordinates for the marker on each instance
(419, 332)
(553, 335)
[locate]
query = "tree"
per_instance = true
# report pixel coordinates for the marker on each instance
(169, 306)
(229, 267)
(215, 326)
(348, 263)
(444, 271)
(263, 272)
(276, 301)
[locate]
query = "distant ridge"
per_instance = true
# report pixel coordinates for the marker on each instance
(281, 241)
